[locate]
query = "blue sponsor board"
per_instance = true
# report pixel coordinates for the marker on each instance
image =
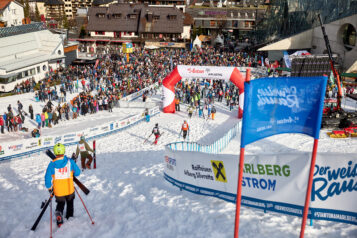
(69, 135)
(284, 208)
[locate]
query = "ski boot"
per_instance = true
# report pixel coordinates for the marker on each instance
(59, 218)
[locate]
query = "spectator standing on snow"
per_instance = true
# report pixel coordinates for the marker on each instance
(213, 111)
(38, 120)
(31, 111)
(2, 124)
(83, 149)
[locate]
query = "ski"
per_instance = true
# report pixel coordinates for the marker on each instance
(42, 212)
(94, 155)
(79, 184)
(146, 140)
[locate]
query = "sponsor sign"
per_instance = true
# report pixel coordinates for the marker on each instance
(272, 182)
(58, 139)
(282, 105)
(31, 145)
(15, 147)
(69, 139)
(69, 135)
(210, 72)
(104, 128)
(165, 44)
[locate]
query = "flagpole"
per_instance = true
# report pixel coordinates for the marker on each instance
(309, 186)
(240, 178)
(239, 192)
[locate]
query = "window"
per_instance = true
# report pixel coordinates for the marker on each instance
(101, 33)
(116, 16)
(212, 23)
(101, 15)
(172, 17)
(14, 11)
(44, 68)
(59, 52)
(156, 18)
(38, 69)
(32, 71)
(132, 16)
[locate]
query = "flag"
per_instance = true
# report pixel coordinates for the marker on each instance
(282, 105)
(287, 59)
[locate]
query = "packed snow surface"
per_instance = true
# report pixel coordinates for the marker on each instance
(129, 196)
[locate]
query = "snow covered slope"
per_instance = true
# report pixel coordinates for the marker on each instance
(130, 198)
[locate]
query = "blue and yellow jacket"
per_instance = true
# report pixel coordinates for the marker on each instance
(60, 171)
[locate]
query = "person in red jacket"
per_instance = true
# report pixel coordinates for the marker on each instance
(2, 123)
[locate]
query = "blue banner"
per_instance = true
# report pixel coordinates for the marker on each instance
(287, 60)
(282, 105)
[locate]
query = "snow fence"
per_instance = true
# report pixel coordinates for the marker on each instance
(214, 148)
(271, 182)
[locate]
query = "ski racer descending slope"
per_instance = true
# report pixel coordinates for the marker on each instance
(156, 133)
(59, 180)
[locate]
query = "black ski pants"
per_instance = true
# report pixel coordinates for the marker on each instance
(61, 202)
(184, 134)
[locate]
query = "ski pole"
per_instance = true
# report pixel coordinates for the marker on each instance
(84, 206)
(51, 218)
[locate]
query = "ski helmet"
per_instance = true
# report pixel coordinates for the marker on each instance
(59, 149)
(157, 124)
(82, 138)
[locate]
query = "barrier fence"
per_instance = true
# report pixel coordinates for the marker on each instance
(26, 147)
(214, 148)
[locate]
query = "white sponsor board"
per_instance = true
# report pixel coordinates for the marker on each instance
(272, 182)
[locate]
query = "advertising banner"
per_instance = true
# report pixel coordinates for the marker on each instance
(29, 146)
(271, 182)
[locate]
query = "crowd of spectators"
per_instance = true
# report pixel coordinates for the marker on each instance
(113, 77)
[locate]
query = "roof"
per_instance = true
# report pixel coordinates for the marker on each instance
(19, 51)
(299, 41)
(101, 2)
(5, 3)
(135, 18)
(54, 2)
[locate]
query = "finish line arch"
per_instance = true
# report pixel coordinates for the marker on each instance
(205, 72)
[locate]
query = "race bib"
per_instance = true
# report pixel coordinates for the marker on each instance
(63, 173)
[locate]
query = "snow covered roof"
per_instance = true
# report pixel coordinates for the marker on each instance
(23, 50)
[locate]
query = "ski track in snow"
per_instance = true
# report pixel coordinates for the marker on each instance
(129, 196)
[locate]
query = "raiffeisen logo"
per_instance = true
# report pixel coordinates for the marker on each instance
(195, 71)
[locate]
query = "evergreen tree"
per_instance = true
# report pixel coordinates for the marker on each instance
(37, 14)
(27, 9)
(65, 22)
